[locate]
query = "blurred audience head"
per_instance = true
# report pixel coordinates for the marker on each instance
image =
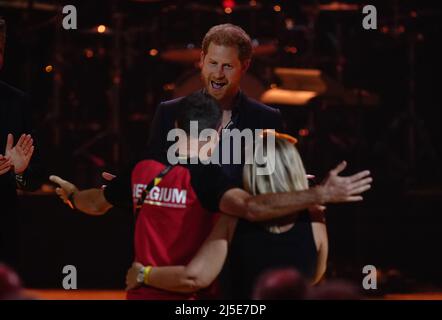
(289, 284)
(334, 290)
(280, 284)
(10, 285)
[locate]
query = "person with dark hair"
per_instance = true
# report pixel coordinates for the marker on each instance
(199, 106)
(19, 168)
(172, 203)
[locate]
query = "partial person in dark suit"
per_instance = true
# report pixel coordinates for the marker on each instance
(17, 170)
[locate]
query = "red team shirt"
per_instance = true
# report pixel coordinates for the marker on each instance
(176, 217)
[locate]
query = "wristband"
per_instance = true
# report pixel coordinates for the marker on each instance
(70, 201)
(20, 180)
(147, 271)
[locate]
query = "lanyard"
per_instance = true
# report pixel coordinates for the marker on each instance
(155, 181)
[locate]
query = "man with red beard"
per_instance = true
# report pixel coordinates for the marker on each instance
(225, 57)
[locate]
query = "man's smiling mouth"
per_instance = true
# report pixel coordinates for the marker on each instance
(217, 85)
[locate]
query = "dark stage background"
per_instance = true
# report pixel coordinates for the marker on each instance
(94, 95)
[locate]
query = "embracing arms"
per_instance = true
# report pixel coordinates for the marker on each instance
(269, 206)
(201, 270)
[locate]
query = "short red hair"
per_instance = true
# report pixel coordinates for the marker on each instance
(229, 35)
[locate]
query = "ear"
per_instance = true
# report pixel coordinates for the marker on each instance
(245, 65)
(202, 55)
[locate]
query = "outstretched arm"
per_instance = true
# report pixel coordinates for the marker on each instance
(200, 272)
(89, 201)
(269, 206)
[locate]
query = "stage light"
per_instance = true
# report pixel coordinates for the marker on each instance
(48, 69)
(304, 132)
(153, 52)
(228, 4)
(252, 3)
(169, 87)
(101, 28)
(89, 53)
(290, 49)
(289, 24)
(277, 8)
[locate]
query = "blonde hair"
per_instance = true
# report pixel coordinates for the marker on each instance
(289, 174)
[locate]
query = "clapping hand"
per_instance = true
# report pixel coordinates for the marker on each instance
(19, 155)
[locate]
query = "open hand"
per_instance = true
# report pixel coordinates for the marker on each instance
(345, 189)
(21, 153)
(65, 188)
(108, 176)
